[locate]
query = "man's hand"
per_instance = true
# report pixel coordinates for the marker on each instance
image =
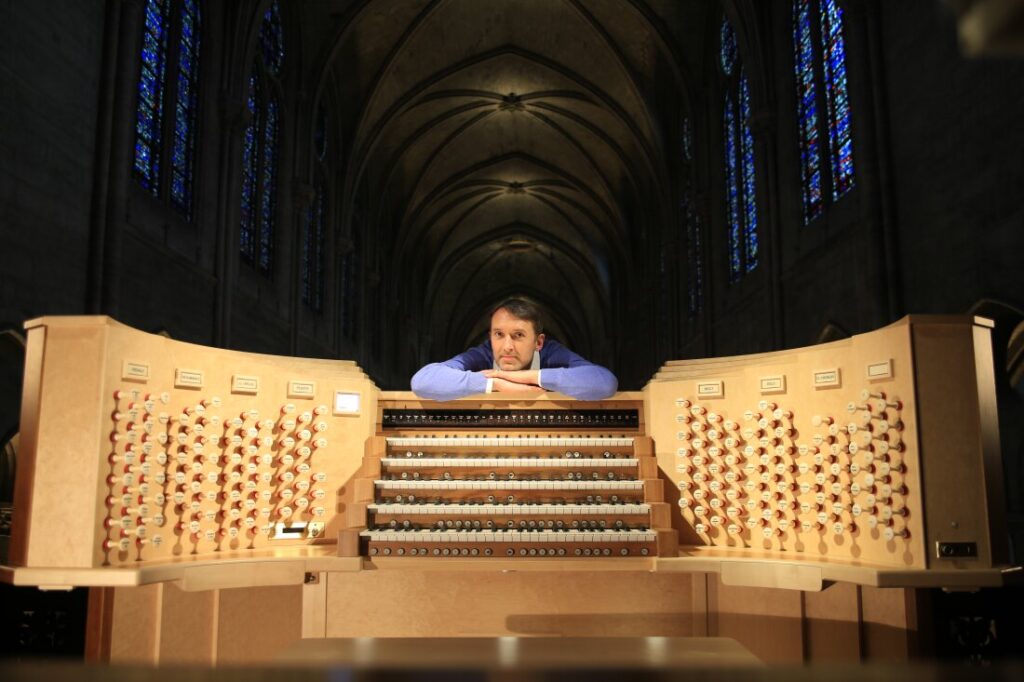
(505, 386)
(516, 376)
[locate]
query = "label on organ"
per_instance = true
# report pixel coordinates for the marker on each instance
(827, 378)
(188, 378)
(879, 370)
(711, 388)
(298, 388)
(773, 384)
(245, 384)
(135, 370)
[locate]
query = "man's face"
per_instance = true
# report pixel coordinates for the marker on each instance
(514, 341)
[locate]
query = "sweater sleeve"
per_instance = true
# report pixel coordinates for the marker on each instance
(460, 376)
(574, 376)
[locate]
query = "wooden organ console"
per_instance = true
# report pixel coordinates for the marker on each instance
(223, 504)
(510, 483)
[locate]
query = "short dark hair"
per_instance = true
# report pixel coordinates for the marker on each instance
(523, 310)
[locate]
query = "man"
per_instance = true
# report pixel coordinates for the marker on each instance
(516, 358)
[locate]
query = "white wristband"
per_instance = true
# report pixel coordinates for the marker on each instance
(538, 379)
(490, 386)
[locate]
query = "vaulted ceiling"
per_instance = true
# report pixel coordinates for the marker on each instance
(497, 147)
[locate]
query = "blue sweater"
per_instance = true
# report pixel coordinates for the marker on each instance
(561, 370)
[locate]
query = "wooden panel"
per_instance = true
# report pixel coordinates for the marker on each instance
(486, 604)
(314, 607)
(24, 487)
(188, 626)
(135, 630)
(223, 465)
(746, 458)
(699, 608)
(98, 624)
(768, 622)
(65, 449)
(960, 438)
(889, 623)
(832, 624)
(255, 625)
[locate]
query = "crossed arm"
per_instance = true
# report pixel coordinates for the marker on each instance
(467, 374)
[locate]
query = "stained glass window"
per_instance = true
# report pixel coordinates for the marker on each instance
(732, 190)
(807, 111)
(694, 265)
(250, 172)
(740, 168)
(821, 84)
(260, 144)
(349, 275)
(313, 251)
(168, 82)
(691, 228)
(272, 39)
(149, 117)
(186, 105)
(268, 186)
(728, 50)
(840, 135)
(313, 246)
(687, 134)
(749, 185)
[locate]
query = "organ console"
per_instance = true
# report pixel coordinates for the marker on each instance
(509, 483)
(299, 494)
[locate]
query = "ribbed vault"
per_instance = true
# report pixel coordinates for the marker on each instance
(509, 147)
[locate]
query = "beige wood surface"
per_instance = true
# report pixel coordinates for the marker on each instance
(960, 443)
(76, 366)
(257, 625)
(768, 622)
(135, 631)
(522, 653)
(412, 603)
(888, 623)
(832, 624)
(187, 631)
(314, 606)
(959, 434)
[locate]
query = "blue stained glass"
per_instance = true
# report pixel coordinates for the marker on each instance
(727, 54)
(837, 96)
(151, 84)
(695, 274)
(807, 111)
(732, 191)
(186, 110)
(268, 187)
(272, 39)
(687, 135)
(246, 239)
(260, 148)
(749, 181)
(313, 251)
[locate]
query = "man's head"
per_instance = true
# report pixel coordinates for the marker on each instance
(516, 333)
